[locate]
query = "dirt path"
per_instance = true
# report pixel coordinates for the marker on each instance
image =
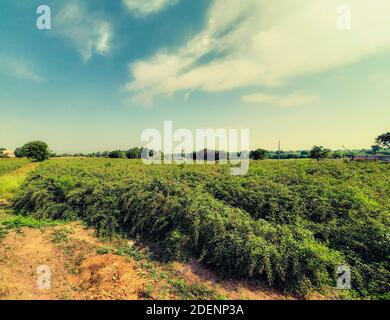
(81, 267)
(21, 254)
(73, 268)
(193, 271)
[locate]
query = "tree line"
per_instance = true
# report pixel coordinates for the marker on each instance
(39, 151)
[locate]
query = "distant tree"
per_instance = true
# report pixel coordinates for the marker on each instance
(258, 154)
(2, 154)
(338, 154)
(375, 149)
(134, 153)
(117, 154)
(202, 155)
(384, 140)
(36, 150)
(19, 153)
(319, 153)
(194, 155)
(147, 153)
(304, 154)
(221, 155)
(208, 154)
(292, 155)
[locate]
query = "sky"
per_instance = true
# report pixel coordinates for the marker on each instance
(297, 71)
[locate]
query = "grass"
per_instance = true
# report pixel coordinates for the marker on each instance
(8, 165)
(193, 291)
(4, 215)
(12, 174)
(9, 222)
(11, 180)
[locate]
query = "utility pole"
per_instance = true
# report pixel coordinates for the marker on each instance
(279, 151)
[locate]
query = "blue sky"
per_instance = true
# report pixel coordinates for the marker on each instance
(109, 69)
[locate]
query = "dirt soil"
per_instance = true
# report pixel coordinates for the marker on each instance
(110, 277)
(193, 271)
(21, 253)
(100, 276)
(78, 272)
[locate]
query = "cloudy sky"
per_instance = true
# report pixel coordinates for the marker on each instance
(109, 69)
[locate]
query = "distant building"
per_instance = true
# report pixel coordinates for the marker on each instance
(9, 153)
(372, 158)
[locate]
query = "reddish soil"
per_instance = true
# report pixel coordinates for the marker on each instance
(78, 272)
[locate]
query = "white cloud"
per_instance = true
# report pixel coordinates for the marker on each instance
(18, 68)
(262, 42)
(295, 99)
(87, 31)
(143, 8)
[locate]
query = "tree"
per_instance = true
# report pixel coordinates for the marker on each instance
(304, 154)
(117, 154)
(2, 154)
(319, 153)
(134, 153)
(338, 154)
(208, 154)
(258, 154)
(375, 149)
(36, 150)
(19, 153)
(384, 140)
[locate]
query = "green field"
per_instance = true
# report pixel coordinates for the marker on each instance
(288, 223)
(12, 174)
(8, 165)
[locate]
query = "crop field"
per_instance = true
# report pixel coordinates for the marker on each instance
(12, 172)
(8, 165)
(289, 224)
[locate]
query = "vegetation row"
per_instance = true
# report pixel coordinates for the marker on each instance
(289, 224)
